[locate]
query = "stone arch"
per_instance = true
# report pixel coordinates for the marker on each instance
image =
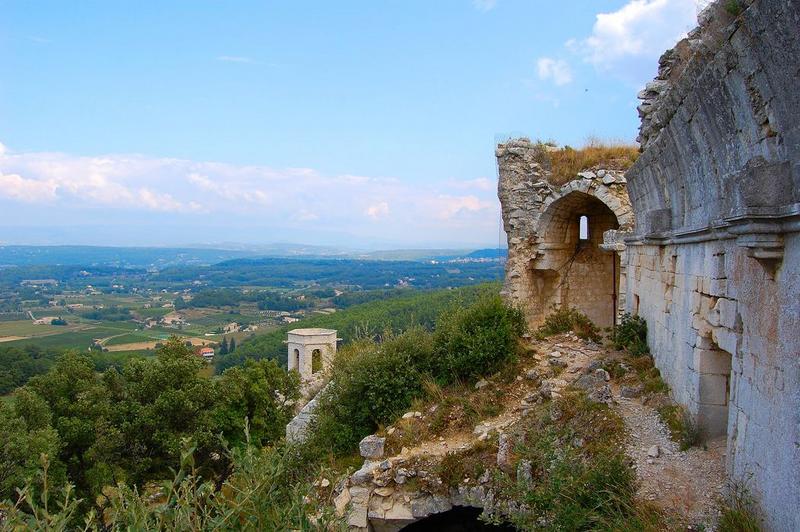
(537, 214)
(571, 272)
(296, 360)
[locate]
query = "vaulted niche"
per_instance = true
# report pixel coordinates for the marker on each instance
(571, 269)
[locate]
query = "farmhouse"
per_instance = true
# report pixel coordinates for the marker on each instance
(207, 353)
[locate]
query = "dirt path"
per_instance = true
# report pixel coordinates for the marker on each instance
(687, 482)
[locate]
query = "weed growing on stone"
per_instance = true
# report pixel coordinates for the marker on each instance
(565, 320)
(734, 7)
(737, 513)
(467, 465)
(567, 162)
(631, 335)
(681, 426)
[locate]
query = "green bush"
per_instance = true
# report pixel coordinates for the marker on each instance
(568, 319)
(265, 491)
(631, 335)
(371, 384)
(477, 340)
(572, 486)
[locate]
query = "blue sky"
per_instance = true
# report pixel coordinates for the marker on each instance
(361, 123)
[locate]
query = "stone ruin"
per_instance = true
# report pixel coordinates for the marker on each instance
(310, 353)
(553, 262)
(712, 260)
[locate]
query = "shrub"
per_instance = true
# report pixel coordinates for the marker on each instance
(265, 491)
(477, 340)
(568, 319)
(371, 384)
(681, 426)
(579, 476)
(631, 335)
(738, 512)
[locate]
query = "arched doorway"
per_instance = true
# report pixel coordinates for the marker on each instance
(316, 361)
(572, 270)
(296, 355)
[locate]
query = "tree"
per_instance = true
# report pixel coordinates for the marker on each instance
(262, 392)
(80, 406)
(232, 345)
(166, 401)
(223, 347)
(25, 434)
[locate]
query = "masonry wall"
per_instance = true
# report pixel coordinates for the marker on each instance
(713, 265)
(547, 266)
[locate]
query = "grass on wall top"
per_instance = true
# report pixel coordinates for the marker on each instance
(566, 162)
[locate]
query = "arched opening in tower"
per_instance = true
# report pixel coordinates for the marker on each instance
(571, 270)
(316, 361)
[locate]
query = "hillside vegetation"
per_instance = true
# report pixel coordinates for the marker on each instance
(106, 437)
(399, 312)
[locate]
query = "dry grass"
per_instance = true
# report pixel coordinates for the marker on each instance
(452, 409)
(566, 162)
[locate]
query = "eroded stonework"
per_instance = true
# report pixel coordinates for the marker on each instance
(713, 264)
(549, 264)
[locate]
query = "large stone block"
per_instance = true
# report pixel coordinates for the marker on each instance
(711, 361)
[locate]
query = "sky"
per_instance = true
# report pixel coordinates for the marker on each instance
(358, 123)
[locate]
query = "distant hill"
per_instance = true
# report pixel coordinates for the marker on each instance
(165, 257)
(121, 257)
(488, 253)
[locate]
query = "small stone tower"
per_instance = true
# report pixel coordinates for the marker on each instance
(311, 350)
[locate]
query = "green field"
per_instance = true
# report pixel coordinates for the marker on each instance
(27, 328)
(134, 337)
(71, 338)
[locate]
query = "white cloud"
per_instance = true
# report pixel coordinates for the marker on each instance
(484, 5)
(3, 149)
(15, 187)
(108, 187)
(555, 70)
(230, 190)
(448, 207)
(378, 210)
(628, 41)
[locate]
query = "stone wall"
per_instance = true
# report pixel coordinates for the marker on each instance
(548, 264)
(713, 265)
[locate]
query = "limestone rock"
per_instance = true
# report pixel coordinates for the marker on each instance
(630, 392)
(341, 501)
(359, 506)
(481, 384)
(372, 447)
(654, 451)
(504, 445)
